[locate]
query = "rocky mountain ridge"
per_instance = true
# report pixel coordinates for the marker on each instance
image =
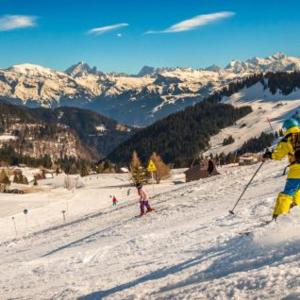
(151, 95)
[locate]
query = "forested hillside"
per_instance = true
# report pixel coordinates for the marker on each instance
(181, 136)
(39, 136)
(100, 133)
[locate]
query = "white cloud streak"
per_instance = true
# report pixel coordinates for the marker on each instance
(12, 22)
(104, 29)
(195, 22)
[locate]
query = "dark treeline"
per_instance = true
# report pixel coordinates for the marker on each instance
(181, 136)
(283, 82)
(8, 155)
(69, 165)
(255, 145)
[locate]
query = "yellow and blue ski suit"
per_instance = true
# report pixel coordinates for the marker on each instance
(291, 193)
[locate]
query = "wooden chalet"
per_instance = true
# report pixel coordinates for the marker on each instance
(200, 171)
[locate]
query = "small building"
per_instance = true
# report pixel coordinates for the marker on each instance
(201, 171)
(44, 172)
(248, 159)
(17, 172)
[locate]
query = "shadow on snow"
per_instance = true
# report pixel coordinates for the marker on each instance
(239, 254)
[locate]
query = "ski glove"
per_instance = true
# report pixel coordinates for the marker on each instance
(267, 155)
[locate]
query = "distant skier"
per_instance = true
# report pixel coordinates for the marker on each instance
(114, 201)
(288, 146)
(210, 167)
(144, 199)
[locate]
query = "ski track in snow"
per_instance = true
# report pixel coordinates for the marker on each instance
(190, 248)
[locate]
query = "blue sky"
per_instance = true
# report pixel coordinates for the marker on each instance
(124, 35)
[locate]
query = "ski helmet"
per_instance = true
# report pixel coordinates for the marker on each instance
(289, 123)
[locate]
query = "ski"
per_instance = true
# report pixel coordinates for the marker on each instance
(146, 213)
(260, 225)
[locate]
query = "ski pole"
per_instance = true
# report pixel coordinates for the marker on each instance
(284, 171)
(246, 187)
(272, 129)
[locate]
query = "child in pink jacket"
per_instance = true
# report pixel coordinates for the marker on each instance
(144, 199)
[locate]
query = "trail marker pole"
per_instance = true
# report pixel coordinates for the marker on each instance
(25, 211)
(152, 175)
(64, 215)
(15, 226)
(151, 168)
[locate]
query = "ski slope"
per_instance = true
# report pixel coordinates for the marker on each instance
(265, 106)
(190, 248)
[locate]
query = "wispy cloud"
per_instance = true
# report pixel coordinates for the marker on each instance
(104, 29)
(195, 22)
(11, 22)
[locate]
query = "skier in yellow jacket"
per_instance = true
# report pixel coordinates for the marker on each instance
(288, 146)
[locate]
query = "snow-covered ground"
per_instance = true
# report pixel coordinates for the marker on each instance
(7, 138)
(190, 248)
(275, 108)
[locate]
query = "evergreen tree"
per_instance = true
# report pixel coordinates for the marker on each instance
(222, 159)
(83, 170)
(230, 158)
(228, 141)
(24, 180)
(46, 161)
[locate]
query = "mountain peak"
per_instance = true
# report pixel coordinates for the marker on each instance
(274, 63)
(146, 70)
(279, 55)
(213, 68)
(29, 68)
(80, 69)
(236, 66)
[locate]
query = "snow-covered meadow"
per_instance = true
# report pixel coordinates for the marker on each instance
(269, 112)
(190, 248)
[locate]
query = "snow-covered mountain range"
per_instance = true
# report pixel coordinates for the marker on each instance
(150, 95)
